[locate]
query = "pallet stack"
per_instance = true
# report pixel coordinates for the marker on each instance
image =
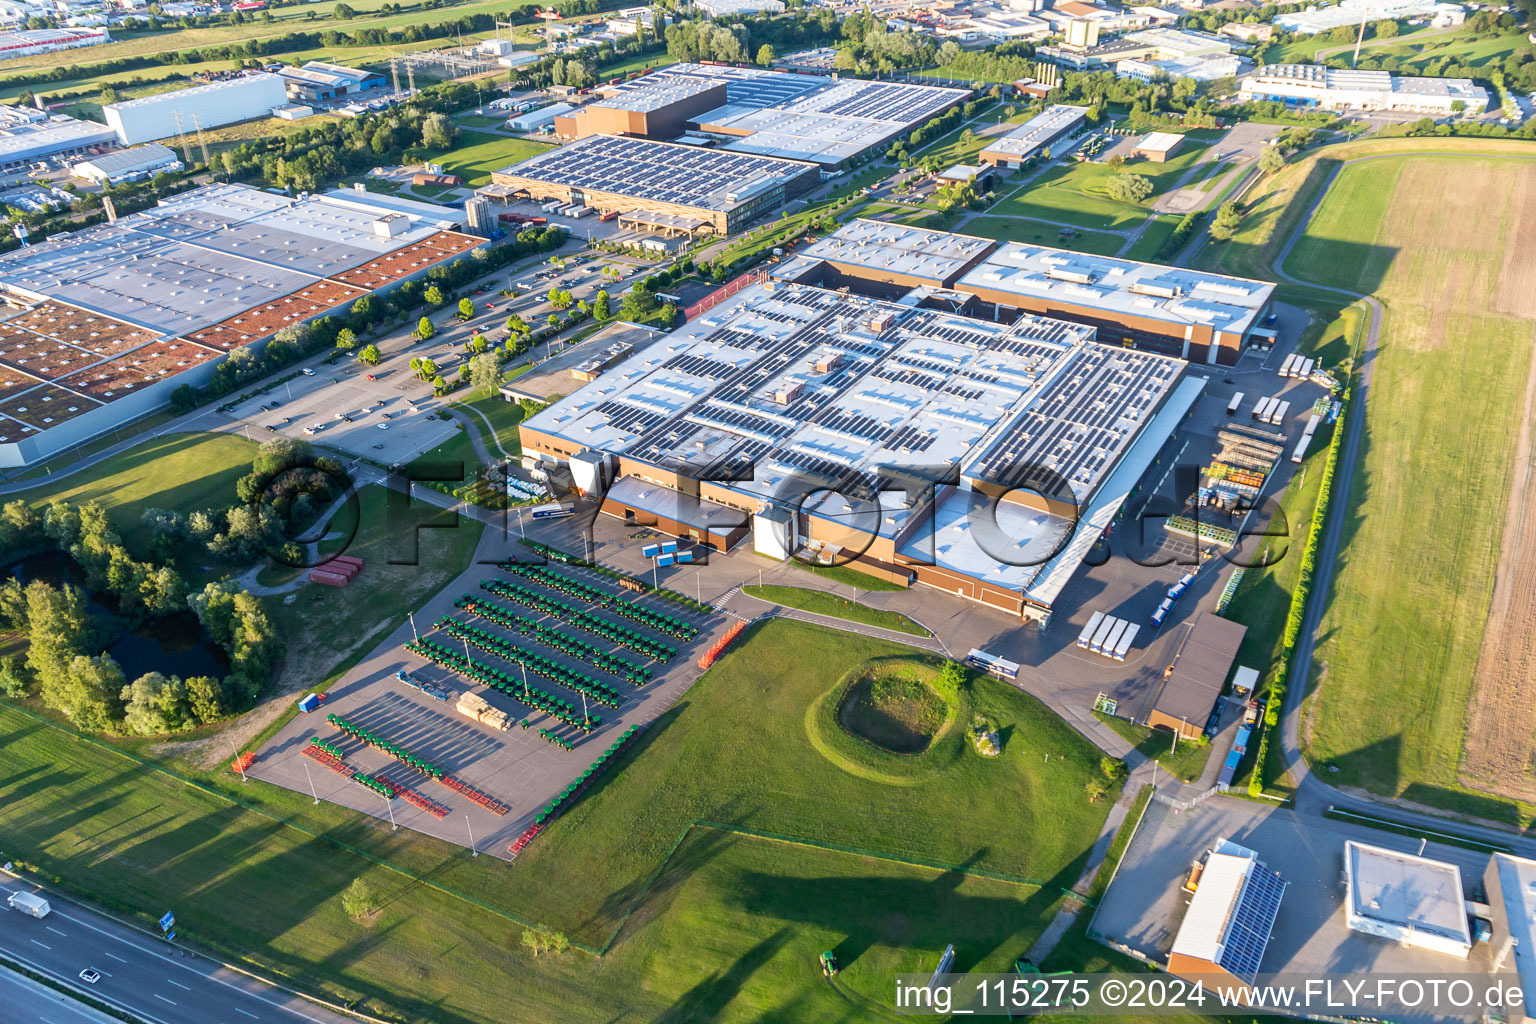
(472, 705)
(338, 572)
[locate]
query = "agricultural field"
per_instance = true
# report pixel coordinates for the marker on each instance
(1074, 193)
(1404, 703)
(687, 873)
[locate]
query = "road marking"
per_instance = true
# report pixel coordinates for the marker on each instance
(43, 944)
(184, 988)
(246, 1012)
(56, 931)
(114, 957)
(162, 998)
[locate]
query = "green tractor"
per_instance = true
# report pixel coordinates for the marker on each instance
(829, 964)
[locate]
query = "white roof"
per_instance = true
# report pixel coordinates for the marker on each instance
(1159, 142)
(1406, 891)
(1517, 882)
(1204, 931)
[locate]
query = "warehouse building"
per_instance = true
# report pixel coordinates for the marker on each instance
(1227, 928)
(1197, 671)
(1034, 136)
(720, 8)
(804, 420)
(1510, 883)
(99, 326)
(657, 106)
(134, 164)
(226, 101)
(1157, 147)
(319, 82)
(534, 120)
(1406, 899)
(1314, 19)
(31, 42)
(695, 189)
(1315, 86)
(28, 136)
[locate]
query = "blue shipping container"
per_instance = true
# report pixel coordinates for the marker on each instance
(309, 702)
(650, 550)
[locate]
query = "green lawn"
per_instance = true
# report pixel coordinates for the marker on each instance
(1073, 193)
(1021, 229)
(179, 471)
(504, 416)
(1158, 231)
(477, 154)
(848, 576)
(707, 924)
(1405, 618)
(820, 603)
(1184, 763)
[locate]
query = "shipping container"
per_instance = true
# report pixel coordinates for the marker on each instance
(1101, 634)
(1261, 409)
(1123, 645)
(1161, 613)
(1086, 636)
(1232, 406)
(309, 702)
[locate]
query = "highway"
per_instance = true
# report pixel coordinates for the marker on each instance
(141, 974)
(22, 999)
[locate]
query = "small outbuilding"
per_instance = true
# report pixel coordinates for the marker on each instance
(1157, 147)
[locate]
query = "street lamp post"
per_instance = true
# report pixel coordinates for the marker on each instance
(472, 851)
(238, 767)
(391, 809)
(311, 779)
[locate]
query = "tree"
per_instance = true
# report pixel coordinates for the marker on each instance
(438, 131)
(533, 938)
(600, 305)
(1385, 29)
(485, 372)
(479, 343)
(1272, 159)
(1097, 787)
(154, 704)
(205, 698)
(13, 676)
(346, 340)
(1112, 768)
(424, 329)
(369, 356)
(359, 901)
(1227, 221)
(434, 296)
(1129, 188)
(342, 12)
(466, 308)
(765, 55)
(89, 692)
(439, 385)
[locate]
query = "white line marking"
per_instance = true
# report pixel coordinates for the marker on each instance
(162, 998)
(184, 988)
(246, 1012)
(43, 944)
(56, 931)
(114, 957)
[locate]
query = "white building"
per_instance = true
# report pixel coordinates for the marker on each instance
(206, 106)
(28, 136)
(31, 42)
(1324, 88)
(1407, 899)
(1227, 927)
(716, 8)
(127, 165)
(1202, 69)
(536, 119)
(1511, 886)
(1316, 18)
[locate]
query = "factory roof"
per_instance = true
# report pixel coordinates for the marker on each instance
(1156, 292)
(1038, 131)
(899, 249)
(212, 88)
(1159, 142)
(126, 161)
(1201, 661)
(1406, 892)
(1233, 911)
(1517, 885)
(653, 91)
(317, 72)
(658, 171)
(25, 140)
(202, 255)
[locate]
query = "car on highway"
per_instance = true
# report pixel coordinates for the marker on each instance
(369, 376)
(271, 429)
(379, 445)
(307, 372)
(90, 976)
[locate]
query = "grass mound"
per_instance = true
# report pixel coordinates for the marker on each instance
(894, 710)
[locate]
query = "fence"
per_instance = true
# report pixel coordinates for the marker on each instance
(725, 291)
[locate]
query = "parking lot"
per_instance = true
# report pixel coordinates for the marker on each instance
(1143, 908)
(517, 768)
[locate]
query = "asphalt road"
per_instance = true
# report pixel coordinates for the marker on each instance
(141, 974)
(22, 999)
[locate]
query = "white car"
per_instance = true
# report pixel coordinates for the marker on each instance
(90, 976)
(308, 372)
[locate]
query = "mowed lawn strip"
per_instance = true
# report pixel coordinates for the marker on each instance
(820, 603)
(1410, 600)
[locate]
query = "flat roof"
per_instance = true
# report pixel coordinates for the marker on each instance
(1204, 658)
(1037, 132)
(660, 172)
(653, 91)
(1406, 891)
(1159, 142)
(1172, 294)
(211, 88)
(1517, 886)
(900, 249)
(126, 161)
(26, 140)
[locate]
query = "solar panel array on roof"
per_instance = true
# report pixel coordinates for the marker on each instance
(1253, 919)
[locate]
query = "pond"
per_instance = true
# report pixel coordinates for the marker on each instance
(174, 645)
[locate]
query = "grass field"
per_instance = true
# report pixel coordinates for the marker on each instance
(708, 923)
(479, 153)
(1022, 229)
(820, 603)
(1184, 763)
(1158, 231)
(1404, 621)
(1073, 193)
(178, 471)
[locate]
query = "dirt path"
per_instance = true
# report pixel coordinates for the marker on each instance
(1501, 732)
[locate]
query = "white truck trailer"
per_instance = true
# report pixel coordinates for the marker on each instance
(1232, 406)
(1086, 636)
(29, 903)
(1123, 645)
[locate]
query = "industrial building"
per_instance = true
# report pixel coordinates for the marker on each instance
(919, 445)
(1207, 68)
(1227, 928)
(100, 325)
(226, 101)
(319, 82)
(719, 8)
(31, 42)
(1510, 883)
(28, 136)
(655, 106)
(1406, 899)
(1182, 700)
(1323, 88)
(534, 120)
(1034, 136)
(1314, 19)
(679, 189)
(1157, 147)
(134, 164)
(1155, 44)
